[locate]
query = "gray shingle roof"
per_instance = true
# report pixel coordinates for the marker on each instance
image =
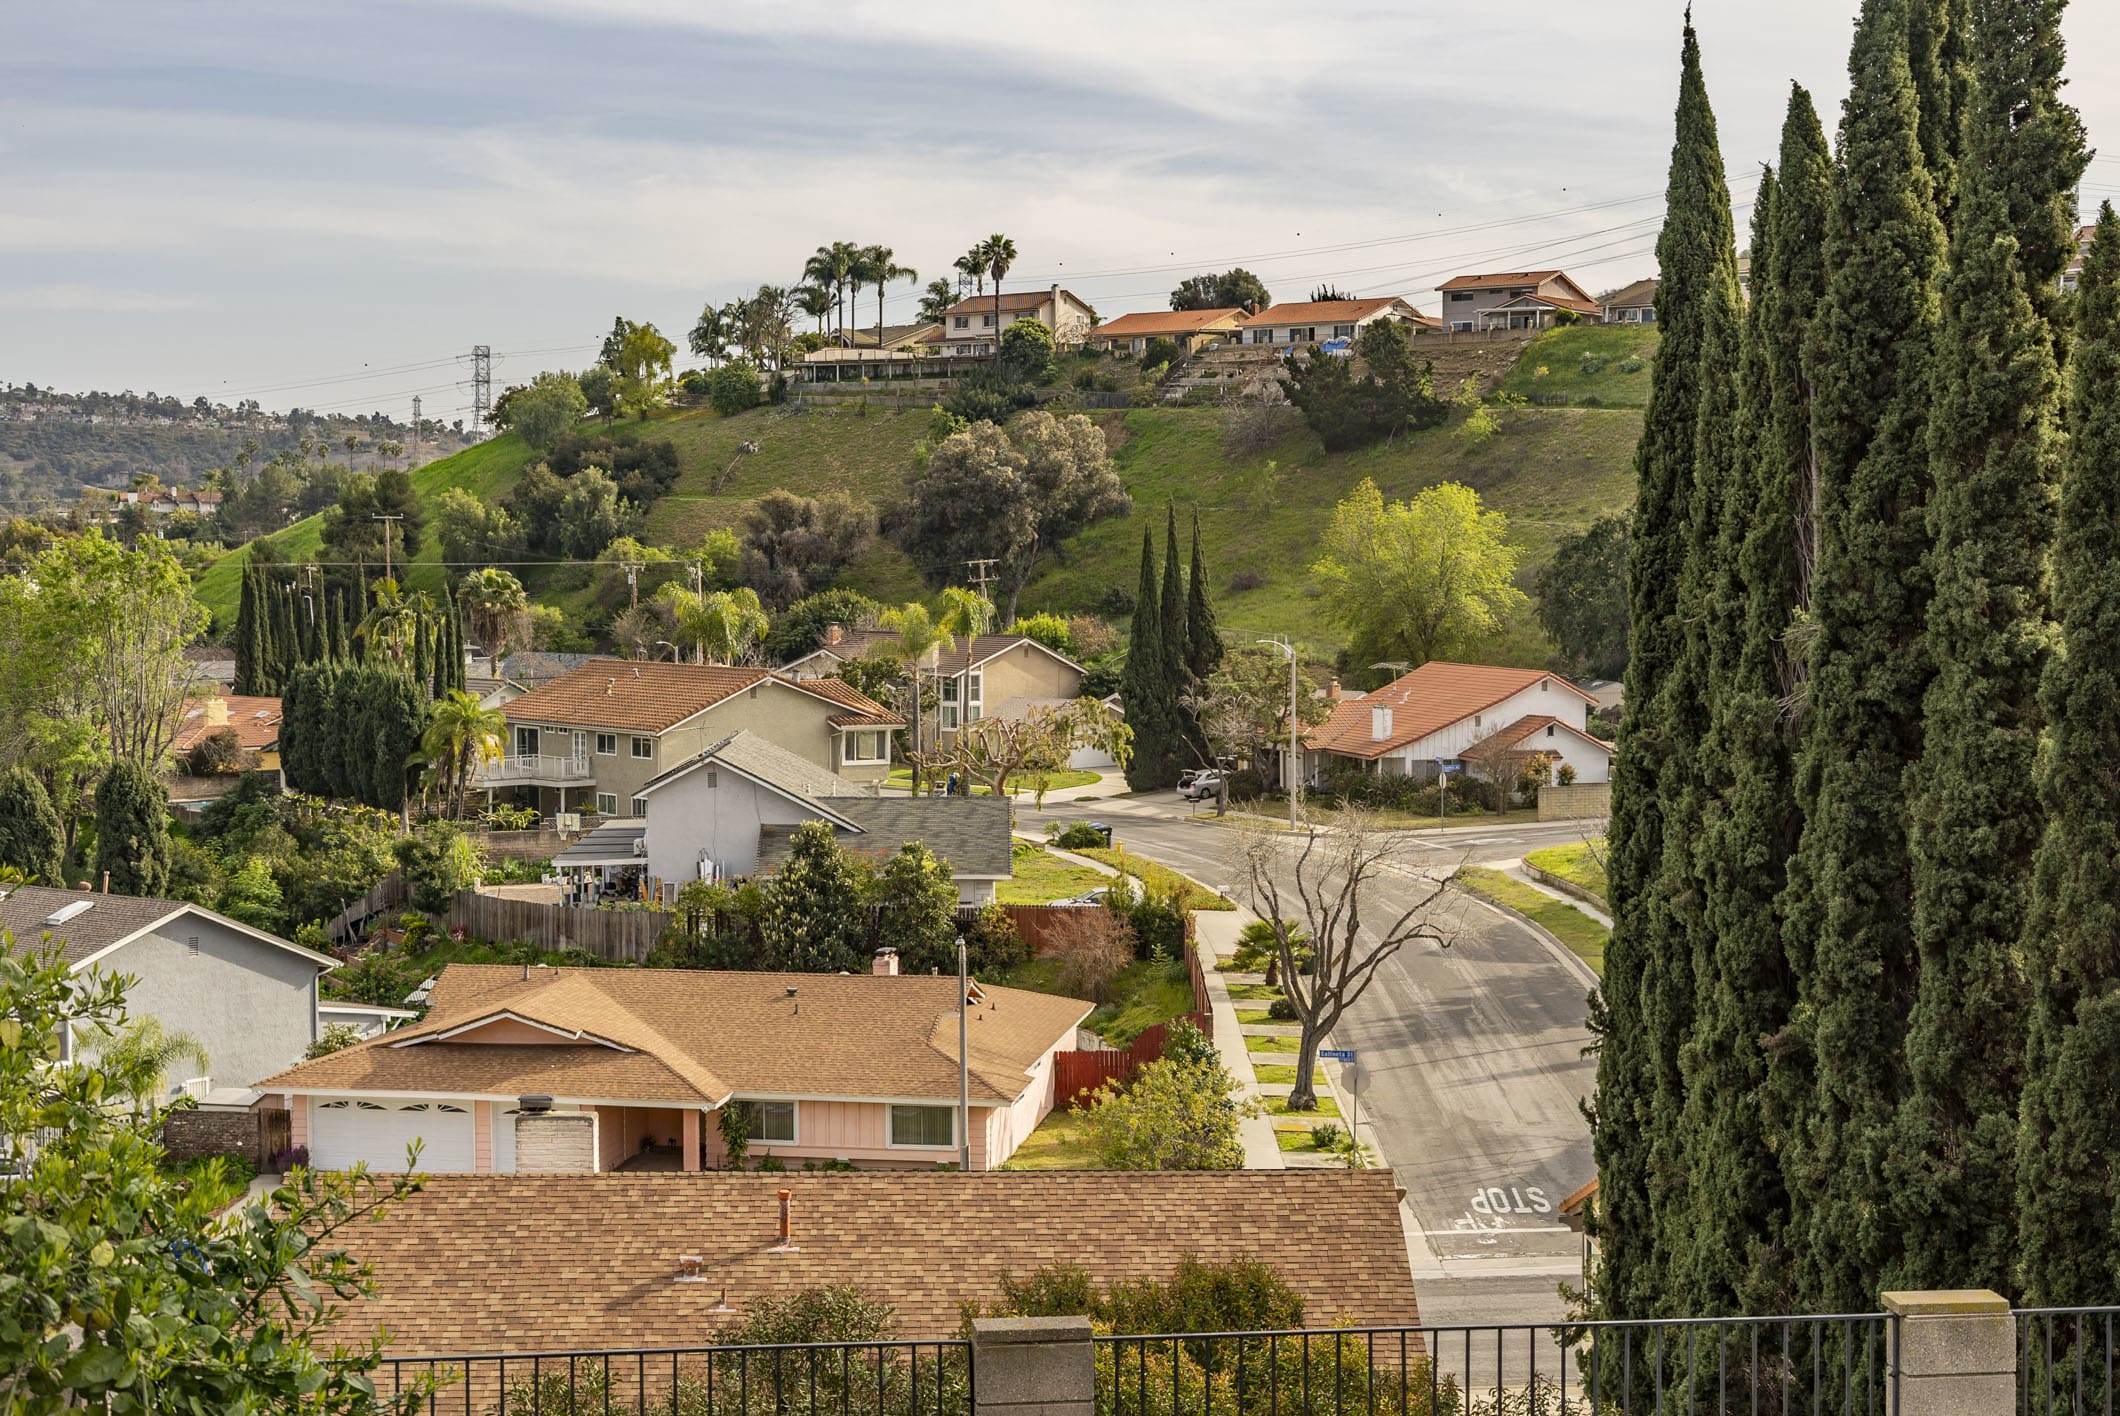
(749, 753)
(108, 920)
(971, 833)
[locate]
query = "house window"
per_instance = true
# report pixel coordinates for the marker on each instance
(643, 747)
(640, 806)
(987, 321)
(972, 698)
(1460, 295)
(923, 1126)
(607, 804)
(961, 322)
(772, 1121)
(607, 744)
(1549, 730)
(1475, 720)
(949, 704)
(526, 742)
(1343, 331)
(865, 747)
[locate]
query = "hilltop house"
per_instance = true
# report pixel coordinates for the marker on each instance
(1523, 299)
(732, 811)
(248, 997)
(1631, 304)
(593, 737)
(1318, 321)
(1188, 329)
(1446, 717)
(593, 1070)
(254, 720)
(972, 326)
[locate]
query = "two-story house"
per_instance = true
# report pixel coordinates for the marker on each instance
(590, 739)
(973, 325)
(1445, 716)
(974, 678)
(1321, 321)
(1520, 299)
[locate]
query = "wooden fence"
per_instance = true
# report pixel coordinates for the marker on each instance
(616, 936)
(386, 894)
(1088, 1069)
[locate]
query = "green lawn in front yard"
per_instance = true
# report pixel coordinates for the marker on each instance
(1274, 1074)
(1248, 992)
(1057, 1144)
(1300, 1139)
(1581, 864)
(1144, 994)
(1272, 1044)
(1391, 818)
(1255, 1016)
(1042, 877)
(1328, 1109)
(1582, 365)
(1159, 878)
(1584, 936)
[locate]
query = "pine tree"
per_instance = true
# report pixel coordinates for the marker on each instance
(1974, 818)
(1203, 640)
(132, 831)
(1144, 684)
(1646, 964)
(1846, 930)
(2068, 1193)
(32, 839)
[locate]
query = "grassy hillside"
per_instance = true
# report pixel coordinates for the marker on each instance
(1580, 366)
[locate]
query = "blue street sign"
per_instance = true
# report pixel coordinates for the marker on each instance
(1442, 766)
(1337, 1054)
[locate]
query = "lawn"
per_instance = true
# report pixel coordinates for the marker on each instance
(1042, 877)
(1143, 995)
(1581, 865)
(1272, 1044)
(1256, 1016)
(1249, 992)
(1328, 1109)
(1057, 1144)
(1580, 366)
(1159, 878)
(1584, 936)
(1274, 1074)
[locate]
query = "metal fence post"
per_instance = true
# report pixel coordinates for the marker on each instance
(1954, 1353)
(1033, 1367)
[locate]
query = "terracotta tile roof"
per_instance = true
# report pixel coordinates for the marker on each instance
(1427, 700)
(1149, 323)
(1322, 311)
(1498, 278)
(862, 710)
(648, 697)
(712, 1033)
(1503, 740)
(256, 720)
(515, 1263)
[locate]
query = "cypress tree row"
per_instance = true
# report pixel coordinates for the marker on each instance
(1937, 46)
(246, 633)
(2068, 1194)
(1203, 639)
(1974, 808)
(1847, 930)
(1144, 685)
(1649, 954)
(1188, 747)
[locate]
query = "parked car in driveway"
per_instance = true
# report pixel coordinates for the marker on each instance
(1198, 786)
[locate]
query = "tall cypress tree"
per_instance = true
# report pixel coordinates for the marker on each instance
(246, 632)
(32, 839)
(1649, 954)
(1847, 930)
(1188, 747)
(132, 830)
(1974, 804)
(1937, 62)
(2068, 1193)
(1144, 683)
(1203, 638)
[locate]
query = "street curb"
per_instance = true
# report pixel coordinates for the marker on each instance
(1581, 970)
(1566, 887)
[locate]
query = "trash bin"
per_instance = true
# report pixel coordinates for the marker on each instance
(1103, 830)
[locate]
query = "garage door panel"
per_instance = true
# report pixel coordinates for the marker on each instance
(377, 1131)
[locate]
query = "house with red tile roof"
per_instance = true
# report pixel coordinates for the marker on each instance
(1518, 299)
(1477, 717)
(973, 325)
(254, 720)
(1301, 322)
(1188, 329)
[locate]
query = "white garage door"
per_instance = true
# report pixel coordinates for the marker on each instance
(377, 1131)
(504, 1140)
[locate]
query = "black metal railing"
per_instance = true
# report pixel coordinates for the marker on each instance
(784, 1379)
(1820, 1366)
(2065, 1361)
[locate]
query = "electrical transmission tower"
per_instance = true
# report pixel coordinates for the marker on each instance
(415, 430)
(481, 384)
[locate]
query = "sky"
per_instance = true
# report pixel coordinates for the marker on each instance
(329, 205)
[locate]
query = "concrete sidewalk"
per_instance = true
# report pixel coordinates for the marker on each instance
(1216, 937)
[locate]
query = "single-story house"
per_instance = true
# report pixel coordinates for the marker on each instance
(594, 1069)
(974, 324)
(1631, 304)
(1445, 716)
(1318, 321)
(556, 1262)
(249, 998)
(1188, 329)
(1519, 299)
(732, 811)
(255, 720)
(2072, 275)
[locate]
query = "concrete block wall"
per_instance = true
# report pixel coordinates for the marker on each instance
(556, 1143)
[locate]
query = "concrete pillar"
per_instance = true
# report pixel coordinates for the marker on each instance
(691, 1138)
(1954, 1354)
(1033, 1367)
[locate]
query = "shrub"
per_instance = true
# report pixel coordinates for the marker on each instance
(1160, 351)
(1247, 785)
(336, 1037)
(1281, 1010)
(289, 1159)
(1566, 775)
(220, 754)
(992, 944)
(1326, 1135)
(1077, 835)
(1594, 363)
(733, 387)
(1564, 318)
(1085, 379)
(1246, 579)
(1174, 1115)
(694, 382)
(438, 861)
(1157, 921)
(1632, 364)
(1089, 948)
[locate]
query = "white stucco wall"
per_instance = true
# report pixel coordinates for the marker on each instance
(687, 818)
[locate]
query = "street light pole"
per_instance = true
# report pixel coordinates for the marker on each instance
(1295, 786)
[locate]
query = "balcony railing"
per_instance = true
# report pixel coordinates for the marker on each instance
(550, 769)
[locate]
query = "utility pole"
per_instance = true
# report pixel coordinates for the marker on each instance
(982, 573)
(964, 1062)
(481, 384)
(415, 430)
(386, 518)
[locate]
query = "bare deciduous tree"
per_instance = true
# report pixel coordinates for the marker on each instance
(1312, 889)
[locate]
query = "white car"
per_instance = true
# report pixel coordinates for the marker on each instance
(1198, 786)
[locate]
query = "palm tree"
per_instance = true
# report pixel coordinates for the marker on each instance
(971, 268)
(880, 268)
(394, 623)
(497, 608)
(710, 333)
(1000, 255)
(462, 734)
(140, 1057)
(966, 613)
(828, 267)
(936, 300)
(723, 626)
(814, 301)
(918, 634)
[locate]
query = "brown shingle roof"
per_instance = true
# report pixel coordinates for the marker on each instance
(514, 1263)
(1503, 740)
(1322, 311)
(1012, 301)
(647, 697)
(1493, 279)
(1149, 323)
(1640, 293)
(1430, 698)
(712, 1033)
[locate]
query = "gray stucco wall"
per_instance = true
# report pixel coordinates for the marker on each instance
(252, 1006)
(688, 817)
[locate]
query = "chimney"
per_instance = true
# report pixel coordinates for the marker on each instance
(610, 684)
(689, 1268)
(833, 634)
(1333, 689)
(217, 712)
(787, 1226)
(885, 964)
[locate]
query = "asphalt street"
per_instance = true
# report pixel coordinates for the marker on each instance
(1471, 1064)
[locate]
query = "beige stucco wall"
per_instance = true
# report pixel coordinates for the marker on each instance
(1022, 672)
(857, 1131)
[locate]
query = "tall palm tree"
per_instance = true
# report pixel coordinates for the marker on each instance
(966, 613)
(498, 609)
(723, 626)
(140, 1057)
(918, 633)
(1000, 255)
(971, 267)
(829, 267)
(462, 734)
(814, 301)
(936, 300)
(879, 265)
